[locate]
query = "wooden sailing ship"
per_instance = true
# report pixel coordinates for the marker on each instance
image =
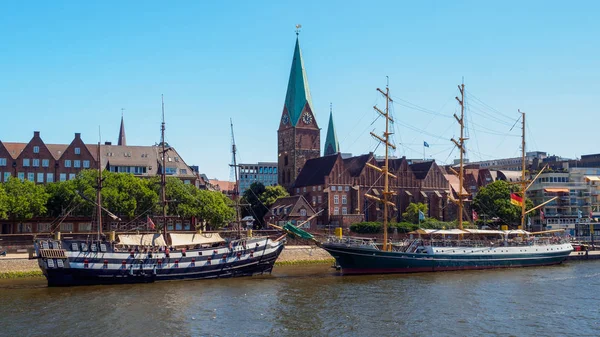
(136, 258)
(432, 250)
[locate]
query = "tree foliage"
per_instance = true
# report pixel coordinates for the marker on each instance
(3, 203)
(271, 194)
(260, 199)
(24, 199)
(412, 212)
(493, 201)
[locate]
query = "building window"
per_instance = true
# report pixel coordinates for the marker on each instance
(187, 182)
(297, 190)
(77, 150)
(182, 171)
(50, 177)
(45, 162)
(319, 199)
(25, 162)
(36, 149)
(2, 161)
(347, 188)
(63, 177)
(77, 163)
(344, 199)
(336, 199)
(66, 227)
(30, 176)
(314, 199)
(304, 189)
(43, 227)
(71, 176)
(7, 176)
(319, 187)
(40, 177)
(86, 164)
(36, 163)
(344, 211)
(67, 163)
(333, 188)
(285, 160)
(21, 175)
(336, 211)
(303, 212)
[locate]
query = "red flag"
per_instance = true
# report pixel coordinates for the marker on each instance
(475, 216)
(516, 200)
(150, 222)
(542, 215)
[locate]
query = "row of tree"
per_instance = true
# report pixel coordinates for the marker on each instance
(123, 194)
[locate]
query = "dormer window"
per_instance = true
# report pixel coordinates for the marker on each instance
(77, 150)
(36, 149)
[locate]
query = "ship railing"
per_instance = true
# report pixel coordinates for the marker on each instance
(352, 241)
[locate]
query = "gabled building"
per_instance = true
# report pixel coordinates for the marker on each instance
(298, 136)
(294, 209)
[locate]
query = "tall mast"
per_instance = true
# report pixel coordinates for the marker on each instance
(99, 192)
(385, 169)
(523, 182)
(236, 187)
(163, 175)
(460, 144)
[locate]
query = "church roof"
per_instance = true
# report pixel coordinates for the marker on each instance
(298, 93)
(331, 142)
(355, 165)
(314, 171)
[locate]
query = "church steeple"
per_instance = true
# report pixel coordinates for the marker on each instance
(299, 135)
(122, 140)
(331, 142)
(297, 97)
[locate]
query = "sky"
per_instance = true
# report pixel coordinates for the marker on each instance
(71, 66)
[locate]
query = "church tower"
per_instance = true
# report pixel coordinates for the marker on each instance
(331, 141)
(298, 136)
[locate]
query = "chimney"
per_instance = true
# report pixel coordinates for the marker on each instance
(77, 135)
(107, 143)
(36, 133)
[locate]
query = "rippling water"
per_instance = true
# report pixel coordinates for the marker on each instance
(314, 301)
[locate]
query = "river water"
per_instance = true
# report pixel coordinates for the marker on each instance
(315, 301)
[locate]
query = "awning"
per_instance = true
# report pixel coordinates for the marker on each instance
(556, 190)
(185, 239)
(592, 178)
(142, 239)
(409, 194)
(423, 194)
(437, 193)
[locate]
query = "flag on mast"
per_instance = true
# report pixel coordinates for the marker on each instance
(516, 200)
(475, 216)
(421, 215)
(425, 144)
(150, 222)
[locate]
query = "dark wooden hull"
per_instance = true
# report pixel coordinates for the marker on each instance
(358, 260)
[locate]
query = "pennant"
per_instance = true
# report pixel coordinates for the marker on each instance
(150, 222)
(421, 216)
(516, 200)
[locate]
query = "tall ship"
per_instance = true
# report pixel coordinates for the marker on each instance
(144, 258)
(452, 249)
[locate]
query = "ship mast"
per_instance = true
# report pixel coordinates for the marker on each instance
(236, 187)
(99, 193)
(461, 147)
(163, 175)
(523, 182)
(385, 169)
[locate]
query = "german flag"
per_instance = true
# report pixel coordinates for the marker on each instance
(516, 200)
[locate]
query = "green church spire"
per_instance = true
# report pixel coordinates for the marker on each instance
(298, 93)
(331, 142)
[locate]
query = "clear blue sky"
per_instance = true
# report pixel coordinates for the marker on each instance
(71, 66)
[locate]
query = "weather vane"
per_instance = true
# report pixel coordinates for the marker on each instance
(298, 26)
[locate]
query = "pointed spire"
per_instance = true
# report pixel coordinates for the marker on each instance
(122, 141)
(331, 142)
(298, 93)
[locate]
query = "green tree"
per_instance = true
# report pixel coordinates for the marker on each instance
(493, 200)
(412, 212)
(25, 199)
(3, 203)
(271, 194)
(256, 207)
